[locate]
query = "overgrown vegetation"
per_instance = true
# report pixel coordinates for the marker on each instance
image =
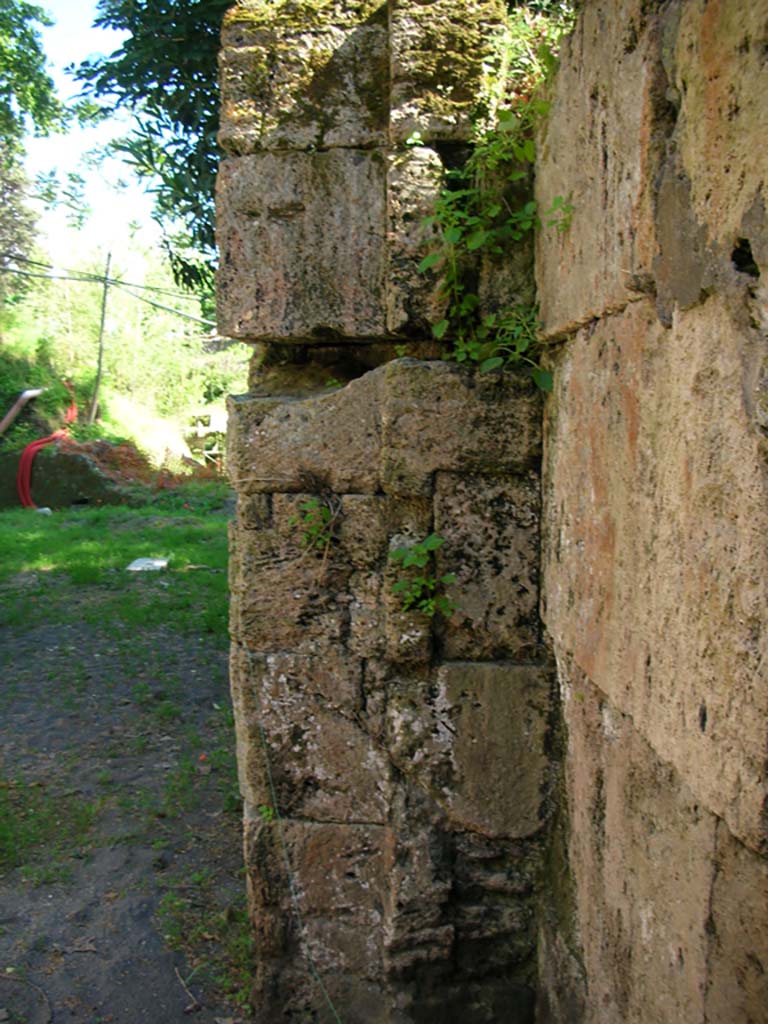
(487, 204)
(158, 370)
(166, 74)
(420, 588)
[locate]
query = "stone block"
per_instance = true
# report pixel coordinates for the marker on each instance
(474, 740)
(656, 570)
(298, 77)
(464, 423)
(737, 982)
(282, 598)
(641, 852)
(341, 873)
(326, 443)
(601, 146)
(437, 51)
(301, 712)
(339, 880)
(414, 299)
(491, 529)
(301, 238)
(717, 70)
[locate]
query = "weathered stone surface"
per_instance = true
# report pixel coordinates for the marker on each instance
(641, 852)
(273, 210)
(414, 299)
(491, 529)
(328, 442)
(295, 76)
(656, 565)
(463, 422)
(737, 976)
(326, 767)
(474, 740)
(601, 146)
(718, 70)
(340, 875)
(438, 50)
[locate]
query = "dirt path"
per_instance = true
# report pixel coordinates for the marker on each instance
(116, 758)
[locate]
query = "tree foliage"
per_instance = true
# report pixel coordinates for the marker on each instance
(166, 73)
(28, 101)
(27, 93)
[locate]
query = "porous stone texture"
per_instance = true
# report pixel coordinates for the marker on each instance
(273, 210)
(407, 755)
(300, 75)
(335, 118)
(655, 582)
(438, 52)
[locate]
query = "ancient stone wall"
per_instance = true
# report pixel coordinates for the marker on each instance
(656, 510)
(394, 765)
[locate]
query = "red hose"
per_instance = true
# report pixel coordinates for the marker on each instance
(24, 475)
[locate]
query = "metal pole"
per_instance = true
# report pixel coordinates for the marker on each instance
(97, 384)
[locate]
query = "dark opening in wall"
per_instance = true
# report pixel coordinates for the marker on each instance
(743, 260)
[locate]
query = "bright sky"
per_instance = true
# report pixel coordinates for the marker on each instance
(69, 41)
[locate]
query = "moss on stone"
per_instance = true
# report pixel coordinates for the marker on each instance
(305, 15)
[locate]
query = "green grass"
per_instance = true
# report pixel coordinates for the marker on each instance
(35, 822)
(93, 547)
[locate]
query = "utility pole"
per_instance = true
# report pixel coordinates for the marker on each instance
(97, 384)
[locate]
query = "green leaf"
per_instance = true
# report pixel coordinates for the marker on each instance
(439, 329)
(453, 235)
(433, 542)
(542, 378)
(491, 364)
(476, 240)
(429, 261)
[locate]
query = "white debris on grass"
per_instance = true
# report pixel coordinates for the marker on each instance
(148, 564)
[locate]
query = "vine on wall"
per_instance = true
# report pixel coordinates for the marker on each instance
(487, 205)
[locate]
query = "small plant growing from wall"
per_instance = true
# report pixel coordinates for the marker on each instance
(420, 588)
(486, 205)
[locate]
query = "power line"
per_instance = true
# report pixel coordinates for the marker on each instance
(110, 281)
(85, 275)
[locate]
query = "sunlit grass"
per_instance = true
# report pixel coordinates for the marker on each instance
(68, 552)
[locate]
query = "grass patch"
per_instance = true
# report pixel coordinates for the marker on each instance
(218, 944)
(33, 821)
(47, 556)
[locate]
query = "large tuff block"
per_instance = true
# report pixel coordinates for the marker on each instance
(330, 442)
(656, 572)
(474, 740)
(737, 983)
(306, 711)
(491, 530)
(641, 849)
(340, 884)
(302, 75)
(601, 146)
(463, 422)
(438, 50)
(301, 239)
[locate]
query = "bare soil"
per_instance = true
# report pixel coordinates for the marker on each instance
(135, 728)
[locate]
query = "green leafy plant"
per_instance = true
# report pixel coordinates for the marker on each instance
(316, 519)
(487, 204)
(421, 589)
